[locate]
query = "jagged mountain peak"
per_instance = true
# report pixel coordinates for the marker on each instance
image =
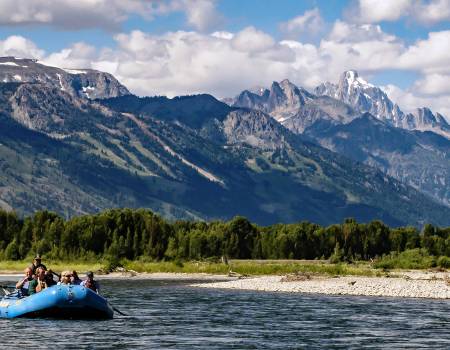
(352, 78)
(362, 96)
(280, 100)
(365, 97)
(424, 119)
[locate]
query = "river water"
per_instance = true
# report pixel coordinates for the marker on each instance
(171, 315)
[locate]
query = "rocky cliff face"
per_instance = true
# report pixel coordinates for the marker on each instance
(423, 119)
(282, 100)
(86, 83)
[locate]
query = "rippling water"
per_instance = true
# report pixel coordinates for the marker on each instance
(170, 314)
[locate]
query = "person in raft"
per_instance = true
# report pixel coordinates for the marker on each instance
(24, 283)
(65, 278)
(49, 278)
(74, 279)
(37, 262)
(91, 283)
(38, 284)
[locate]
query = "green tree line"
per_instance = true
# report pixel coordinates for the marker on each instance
(134, 234)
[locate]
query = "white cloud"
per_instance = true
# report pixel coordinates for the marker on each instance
(353, 33)
(310, 24)
(78, 55)
(429, 55)
(105, 14)
(68, 14)
(375, 11)
(19, 46)
(433, 12)
(365, 48)
(223, 35)
(252, 40)
(434, 85)
(201, 15)
(410, 99)
(142, 46)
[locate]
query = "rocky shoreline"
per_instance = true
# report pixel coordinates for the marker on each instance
(405, 284)
(408, 284)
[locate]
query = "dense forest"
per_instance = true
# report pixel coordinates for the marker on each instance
(134, 234)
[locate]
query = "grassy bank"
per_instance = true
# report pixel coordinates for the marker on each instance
(8, 266)
(243, 267)
(255, 267)
(410, 259)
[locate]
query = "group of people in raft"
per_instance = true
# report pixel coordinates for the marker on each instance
(37, 278)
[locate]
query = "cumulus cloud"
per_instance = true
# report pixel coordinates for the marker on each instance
(200, 14)
(353, 33)
(105, 14)
(190, 62)
(433, 12)
(78, 55)
(252, 40)
(68, 14)
(365, 48)
(309, 24)
(430, 55)
(374, 11)
(434, 85)
(19, 46)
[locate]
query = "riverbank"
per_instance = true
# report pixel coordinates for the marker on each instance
(400, 283)
(410, 284)
(233, 267)
(143, 276)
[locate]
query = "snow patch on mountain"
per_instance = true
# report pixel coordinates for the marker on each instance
(9, 64)
(75, 71)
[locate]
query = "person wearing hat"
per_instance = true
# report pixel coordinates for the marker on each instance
(37, 263)
(91, 283)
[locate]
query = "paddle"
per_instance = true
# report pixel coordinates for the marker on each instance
(114, 308)
(8, 287)
(118, 311)
(5, 289)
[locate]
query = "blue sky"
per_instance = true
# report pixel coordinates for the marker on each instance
(190, 46)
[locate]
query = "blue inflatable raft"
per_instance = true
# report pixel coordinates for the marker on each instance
(61, 301)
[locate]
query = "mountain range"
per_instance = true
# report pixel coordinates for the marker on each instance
(77, 141)
(358, 120)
